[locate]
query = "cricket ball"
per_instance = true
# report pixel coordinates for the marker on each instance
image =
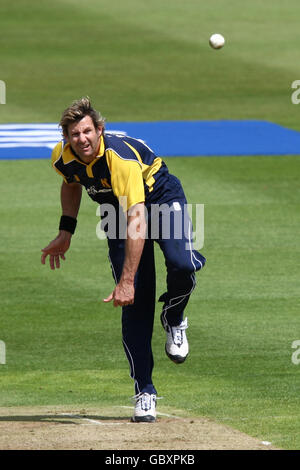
(216, 41)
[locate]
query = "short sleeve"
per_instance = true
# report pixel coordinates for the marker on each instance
(55, 156)
(126, 180)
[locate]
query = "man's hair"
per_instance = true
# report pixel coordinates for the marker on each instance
(77, 111)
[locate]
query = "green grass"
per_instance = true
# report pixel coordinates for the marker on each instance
(150, 60)
(64, 344)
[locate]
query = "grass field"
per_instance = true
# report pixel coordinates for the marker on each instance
(147, 61)
(64, 345)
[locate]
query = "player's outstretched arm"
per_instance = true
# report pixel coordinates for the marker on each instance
(70, 202)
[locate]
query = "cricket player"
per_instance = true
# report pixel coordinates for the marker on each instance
(123, 174)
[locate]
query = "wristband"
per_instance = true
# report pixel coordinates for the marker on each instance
(67, 223)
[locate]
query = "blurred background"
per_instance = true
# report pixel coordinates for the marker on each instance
(150, 60)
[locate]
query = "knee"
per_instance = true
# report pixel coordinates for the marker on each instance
(184, 267)
(188, 264)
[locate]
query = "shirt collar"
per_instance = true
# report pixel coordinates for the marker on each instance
(102, 147)
(69, 153)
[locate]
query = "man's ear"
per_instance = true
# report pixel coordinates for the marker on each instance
(66, 137)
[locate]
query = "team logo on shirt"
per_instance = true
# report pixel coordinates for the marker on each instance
(92, 190)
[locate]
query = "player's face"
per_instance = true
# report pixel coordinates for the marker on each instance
(84, 138)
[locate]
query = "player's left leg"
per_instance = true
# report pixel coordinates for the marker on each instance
(137, 319)
(182, 262)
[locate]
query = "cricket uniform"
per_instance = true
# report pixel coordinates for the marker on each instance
(127, 172)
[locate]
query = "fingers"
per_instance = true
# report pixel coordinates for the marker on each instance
(109, 298)
(43, 258)
(118, 302)
(56, 250)
(54, 259)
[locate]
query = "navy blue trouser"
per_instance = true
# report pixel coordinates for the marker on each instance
(181, 260)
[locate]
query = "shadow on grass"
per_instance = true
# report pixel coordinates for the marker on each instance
(62, 418)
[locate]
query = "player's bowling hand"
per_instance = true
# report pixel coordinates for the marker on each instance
(122, 295)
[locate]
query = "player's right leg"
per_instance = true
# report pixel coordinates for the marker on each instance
(137, 327)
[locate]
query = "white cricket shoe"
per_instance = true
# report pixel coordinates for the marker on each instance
(177, 346)
(145, 408)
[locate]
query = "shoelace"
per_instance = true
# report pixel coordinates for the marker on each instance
(144, 400)
(177, 333)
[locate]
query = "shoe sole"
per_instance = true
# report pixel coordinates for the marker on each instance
(143, 419)
(176, 359)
